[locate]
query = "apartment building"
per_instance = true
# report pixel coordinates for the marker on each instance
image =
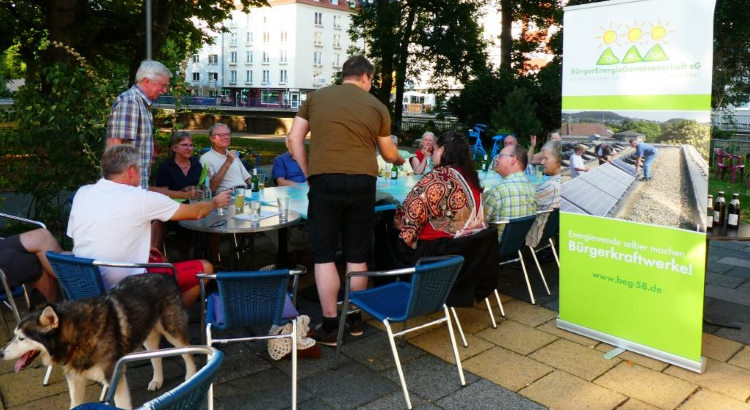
(273, 56)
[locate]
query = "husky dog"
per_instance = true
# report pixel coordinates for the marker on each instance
(87, 336)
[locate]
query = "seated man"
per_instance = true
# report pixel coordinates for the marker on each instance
(111, 220)
(224, 167)
(514, 196)
(23, 260)
(384, 168)
(286, 170)
(548, 193)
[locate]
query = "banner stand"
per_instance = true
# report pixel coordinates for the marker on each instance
(699, 366)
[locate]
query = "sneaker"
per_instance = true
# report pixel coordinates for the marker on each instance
(323, 337)
(354, 323)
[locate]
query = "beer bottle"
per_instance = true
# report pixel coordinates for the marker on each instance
(733, 212)
(710, 212)
(720, 209)
(394, 172)
(254, 181)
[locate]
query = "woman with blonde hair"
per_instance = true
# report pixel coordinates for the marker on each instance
(422, 161)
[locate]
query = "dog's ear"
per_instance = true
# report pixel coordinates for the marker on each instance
(48, 319)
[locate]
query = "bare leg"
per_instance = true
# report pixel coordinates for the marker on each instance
(38, 242)
(328, 283)
(359, 282)
(191, 295)
(158, 229)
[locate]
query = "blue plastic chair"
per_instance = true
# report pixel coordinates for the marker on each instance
(188, 395)
(249, 300)
(497, 146)
(399, 301)
(512, 242)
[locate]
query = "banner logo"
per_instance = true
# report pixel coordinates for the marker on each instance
(632, 38)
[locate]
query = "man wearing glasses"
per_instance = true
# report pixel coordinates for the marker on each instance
(514, 196)
(131, 121)
(224, 167)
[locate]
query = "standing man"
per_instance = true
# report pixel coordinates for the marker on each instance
(646, 155)
(224, 167)
(346, 124)
(131, 121)
(514, 196)
(576, 162)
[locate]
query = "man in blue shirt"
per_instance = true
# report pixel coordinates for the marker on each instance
(286, 170)
(646, 155)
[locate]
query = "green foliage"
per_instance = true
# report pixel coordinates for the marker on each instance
(57, 140)
(686, 132)
(517, 113)
(651, 129)
(731, 53)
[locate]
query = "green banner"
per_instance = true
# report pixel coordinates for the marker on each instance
(643, 283)
(673, 102)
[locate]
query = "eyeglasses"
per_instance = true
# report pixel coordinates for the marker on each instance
(186, 145)
(223, 134)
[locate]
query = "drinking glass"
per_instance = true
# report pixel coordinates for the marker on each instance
(261, 181)
(255, 211)
(539, 169)
(283, 208)
(239, 200)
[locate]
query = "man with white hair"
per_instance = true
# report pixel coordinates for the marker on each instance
(131, 121)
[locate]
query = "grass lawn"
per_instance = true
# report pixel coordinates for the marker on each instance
(716, 185)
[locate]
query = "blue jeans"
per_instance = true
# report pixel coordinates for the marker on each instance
(647, 165)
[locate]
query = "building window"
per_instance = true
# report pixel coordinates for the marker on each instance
(233, 39)
(269, 97)
(266, 37)
(282, 77)
(233, 77)
(282, 57)
(248, 57)
(337, 22)
(283, 36)
(196, 58)
(317, 57)
(266, 57)
(213, 59)
(233, 57)
(318, 19)
(335, 2)
(213, 76)
(266, 77)
(249, 37)
(337, 41)
(336, 60)
(196, 76)
(249, 77)
(318, 39)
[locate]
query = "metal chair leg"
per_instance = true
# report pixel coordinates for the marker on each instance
(489, 310)
(499, 303)
(554, 252)
(526, 277)
(392, 341)
(460, 329)
(48, 373)
(294, 364)
(454, 347)
(539, 268)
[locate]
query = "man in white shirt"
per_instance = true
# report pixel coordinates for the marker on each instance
(111, 220)
(224, 168)
(576, 162)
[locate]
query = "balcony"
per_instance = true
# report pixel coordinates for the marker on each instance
(318, 43)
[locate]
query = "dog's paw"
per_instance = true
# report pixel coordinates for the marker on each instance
(154, 385)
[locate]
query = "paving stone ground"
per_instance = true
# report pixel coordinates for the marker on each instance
(524, 363)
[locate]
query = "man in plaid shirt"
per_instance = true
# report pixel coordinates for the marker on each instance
(514, 196)
(131, 121)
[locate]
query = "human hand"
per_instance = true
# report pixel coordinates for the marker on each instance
(231, 155)
(222, 199)
(533, 140)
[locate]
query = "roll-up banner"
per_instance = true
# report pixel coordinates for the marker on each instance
(637, 80)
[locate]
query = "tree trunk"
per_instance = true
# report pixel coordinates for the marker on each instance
(61, 16)
(386, 54)
(403, 58)
(506, 39)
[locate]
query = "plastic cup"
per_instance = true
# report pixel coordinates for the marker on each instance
(239, 200)
(283, 208)
(254, 211)
(538, 170)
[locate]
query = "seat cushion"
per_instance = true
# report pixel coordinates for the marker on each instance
(384, 302)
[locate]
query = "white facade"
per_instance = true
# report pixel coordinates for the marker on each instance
(274, 55)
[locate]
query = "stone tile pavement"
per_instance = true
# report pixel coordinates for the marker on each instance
(525, 363)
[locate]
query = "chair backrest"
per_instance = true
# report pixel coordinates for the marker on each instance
(78, 277)
(252, 298)
(431, 284)
(514, 235)
(552, 226)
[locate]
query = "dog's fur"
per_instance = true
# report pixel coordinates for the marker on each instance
(88, 336)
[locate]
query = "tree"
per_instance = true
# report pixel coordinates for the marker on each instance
(731, 75)
(651, 129)
(535, 18)
(110, 35)
(404, 38)
(517, 114)
(690, 132)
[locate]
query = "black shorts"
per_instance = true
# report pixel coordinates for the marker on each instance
(341, 204)
(18, 265)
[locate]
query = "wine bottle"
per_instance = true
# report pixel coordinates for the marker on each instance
(394, 172)
(720, 209)
(710, 212)
(254, 181)
(733, 212)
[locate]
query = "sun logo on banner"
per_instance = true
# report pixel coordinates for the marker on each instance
(636, 37)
